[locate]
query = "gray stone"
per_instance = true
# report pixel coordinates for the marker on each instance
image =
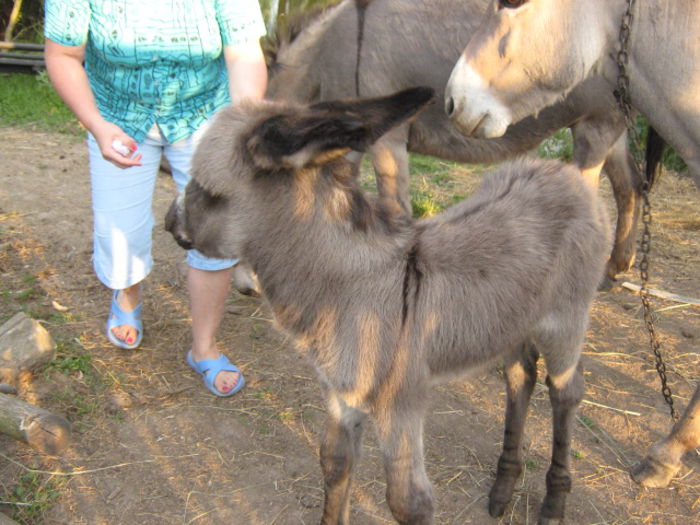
(24, 345)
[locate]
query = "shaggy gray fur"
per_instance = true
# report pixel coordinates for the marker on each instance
(384, 306)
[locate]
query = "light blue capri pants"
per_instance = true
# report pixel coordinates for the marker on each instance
(122, 209)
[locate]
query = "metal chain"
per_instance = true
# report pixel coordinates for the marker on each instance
(622, 93)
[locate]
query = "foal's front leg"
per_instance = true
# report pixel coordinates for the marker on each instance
(565, 393)
(408, 493)
(340, 450)
(521, 374)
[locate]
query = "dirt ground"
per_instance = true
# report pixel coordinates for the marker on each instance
(152, 446)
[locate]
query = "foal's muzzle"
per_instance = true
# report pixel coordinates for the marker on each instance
(174, 224)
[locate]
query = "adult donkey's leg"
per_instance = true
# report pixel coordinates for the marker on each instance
(627, 189)
(340, 450)
(408, 493)
(600, 142)
(390, 162)
(664, 459)
(521, 374)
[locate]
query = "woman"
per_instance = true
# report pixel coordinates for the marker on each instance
(144, 78)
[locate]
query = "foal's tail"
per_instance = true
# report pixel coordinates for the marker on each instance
(655, 148)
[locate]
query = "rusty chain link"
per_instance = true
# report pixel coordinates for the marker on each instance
(622, 94)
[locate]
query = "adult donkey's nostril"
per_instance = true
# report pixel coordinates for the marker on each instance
(449, 106)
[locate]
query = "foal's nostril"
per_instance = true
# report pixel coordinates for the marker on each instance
(449, 106)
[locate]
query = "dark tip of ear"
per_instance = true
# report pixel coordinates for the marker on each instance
(420, 95)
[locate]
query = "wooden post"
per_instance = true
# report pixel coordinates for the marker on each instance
(40, 429)
(14, 17)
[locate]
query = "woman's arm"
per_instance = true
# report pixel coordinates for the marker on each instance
(64, 64)
(247, 71)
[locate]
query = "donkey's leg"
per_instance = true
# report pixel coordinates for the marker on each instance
(600, 142)
(566, 387)
(664, 458)
(521, 373)
(627, 188)
(409, 493)
(390, 162)
(340, 450)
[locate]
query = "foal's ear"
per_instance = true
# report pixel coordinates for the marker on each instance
(381, 114)
(327, 130)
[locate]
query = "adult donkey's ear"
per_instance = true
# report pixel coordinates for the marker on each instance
(327, 130)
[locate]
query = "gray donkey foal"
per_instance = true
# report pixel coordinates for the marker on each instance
(384, 306)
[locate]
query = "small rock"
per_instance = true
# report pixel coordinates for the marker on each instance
(24, 345)
(118, 401)
(7, 389)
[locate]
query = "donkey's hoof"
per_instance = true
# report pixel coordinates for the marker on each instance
(497, 508)
(652, 473)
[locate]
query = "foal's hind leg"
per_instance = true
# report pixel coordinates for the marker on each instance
(340, 450)
(521, 373)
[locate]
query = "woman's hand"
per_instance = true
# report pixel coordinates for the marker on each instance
(111, 140)
(64, 65)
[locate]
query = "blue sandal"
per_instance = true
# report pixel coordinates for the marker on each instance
(118, 317)
(210, 368)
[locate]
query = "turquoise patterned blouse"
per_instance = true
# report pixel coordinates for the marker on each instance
(155, 61)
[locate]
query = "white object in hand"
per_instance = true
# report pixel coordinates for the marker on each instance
(119, 146)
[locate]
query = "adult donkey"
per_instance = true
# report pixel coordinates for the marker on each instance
(385, 306)
(370, 48)
(528, 54)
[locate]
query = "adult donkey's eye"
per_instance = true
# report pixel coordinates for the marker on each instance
(510, 4)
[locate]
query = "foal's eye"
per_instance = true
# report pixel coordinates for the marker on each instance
(510, 4)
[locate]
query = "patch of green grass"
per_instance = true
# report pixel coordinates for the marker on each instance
(30, 101)
(71, 358)
(24, 295)
(558, 146)
(68, 364)
(286, 415)
(424, 204)
(32, 496)
(265, 394)
(76, 405)
(257, 332)
(586, 421)
(532, 464)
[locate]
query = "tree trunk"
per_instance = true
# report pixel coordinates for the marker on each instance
(14, 18)
(40, 429)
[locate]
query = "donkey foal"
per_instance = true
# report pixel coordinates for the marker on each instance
(384, 306)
